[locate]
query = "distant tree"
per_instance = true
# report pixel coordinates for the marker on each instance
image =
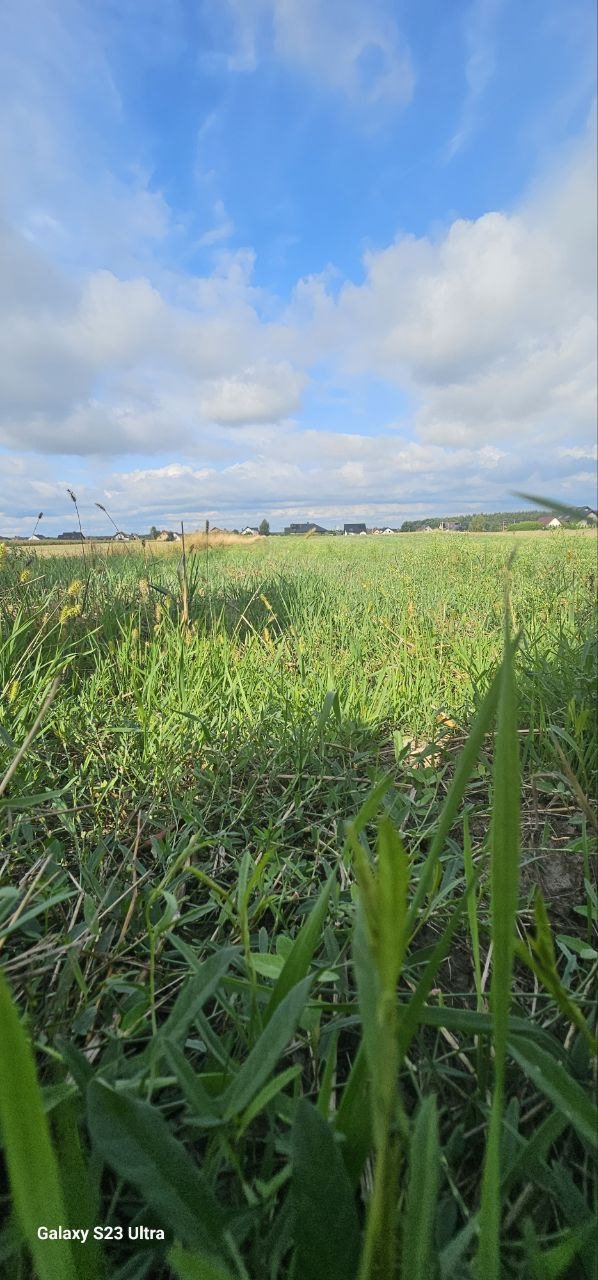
(153, 532)
(264, 528)
(524, 526)
(477, 524)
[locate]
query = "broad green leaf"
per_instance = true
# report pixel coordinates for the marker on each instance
(271, 966)
(194, 993)
(30, 1160)
(422, 1192)
(392, 883)
(203, 1107)
(266, 1051)
(555, 1263)
(81, 1196)
(330, 706)
(134, 1139)
(265, 1095)
(369, 990)
(532, 1153)
(554, 1081)
(326, 1227)
(480, 1024)
(353, 1118)
(197, 1266)
(296, 966)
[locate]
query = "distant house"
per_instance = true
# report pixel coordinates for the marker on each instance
(590, 514)
(167, 535)
(35, 537)
(549, 522)
(428, 528)
(350, 530)
(389, 531)
(310, 527)
(72, 536)
(251, 529)
(121, 537)
(450, 526)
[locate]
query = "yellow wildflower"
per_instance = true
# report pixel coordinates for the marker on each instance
(13, 690)
(74, 587)
(24, 575)
(69, 611)
(143, 588)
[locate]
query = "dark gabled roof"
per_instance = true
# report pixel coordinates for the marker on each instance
(305, 527)
(354, 528)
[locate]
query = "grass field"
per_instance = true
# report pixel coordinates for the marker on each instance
(297, 909)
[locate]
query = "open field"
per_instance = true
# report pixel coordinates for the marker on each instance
(149, 547)
(271, 790)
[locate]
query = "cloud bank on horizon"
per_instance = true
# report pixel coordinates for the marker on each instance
(295, 258)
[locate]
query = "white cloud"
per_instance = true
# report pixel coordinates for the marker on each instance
(345, 46)
(491, 326)
(255, 395)
(487, 328)
(479, 30)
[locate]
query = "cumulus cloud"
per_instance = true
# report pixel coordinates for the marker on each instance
(197, 382)
(254, 396)
(320, 475)
(491, 325)
(112, 366)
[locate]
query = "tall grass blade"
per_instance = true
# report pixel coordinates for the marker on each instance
(420, 1209)
(296, 965)
(80, 1196)
(555, 1082)
(30, 1160)
(463, 771)
(266, 1051)
(504, 900)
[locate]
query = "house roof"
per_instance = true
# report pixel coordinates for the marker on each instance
(309, 526)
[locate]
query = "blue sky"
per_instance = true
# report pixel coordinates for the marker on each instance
(323, 259)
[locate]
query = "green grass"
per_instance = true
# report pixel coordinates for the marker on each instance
(269, 909)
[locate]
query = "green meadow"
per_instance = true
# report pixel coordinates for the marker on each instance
(298, 908)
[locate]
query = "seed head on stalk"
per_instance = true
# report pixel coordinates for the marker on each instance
(107, 513)
(36, 523)
(73, 498)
